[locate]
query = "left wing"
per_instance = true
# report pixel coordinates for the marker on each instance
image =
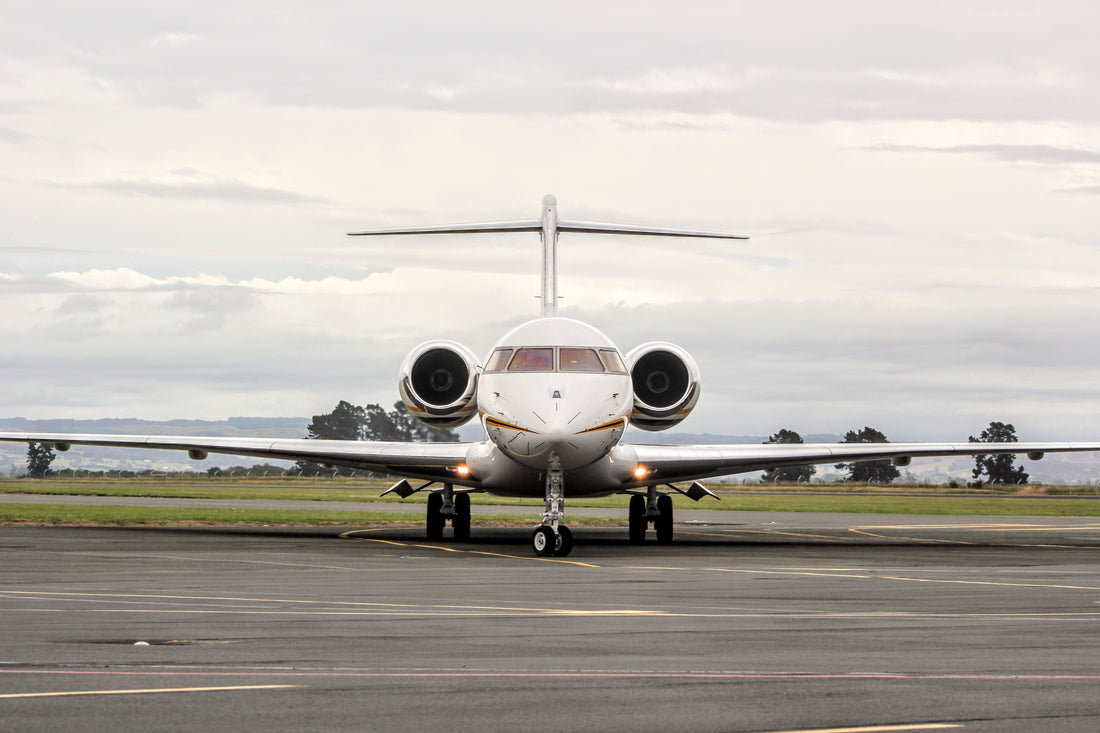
(429, 461)
(674, 463)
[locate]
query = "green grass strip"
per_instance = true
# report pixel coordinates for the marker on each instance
(941, 505)
(73, 514)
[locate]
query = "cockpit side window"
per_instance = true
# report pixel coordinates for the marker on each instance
(499, 360)
(580, 360)
(613, 361)
(537, 359)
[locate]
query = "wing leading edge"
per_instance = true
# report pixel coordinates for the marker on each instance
(429, 461)
(675, 463)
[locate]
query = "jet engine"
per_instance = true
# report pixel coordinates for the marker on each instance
(438, 383)
(666, 385)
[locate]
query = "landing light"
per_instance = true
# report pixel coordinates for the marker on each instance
(462, 470)
(640, 472)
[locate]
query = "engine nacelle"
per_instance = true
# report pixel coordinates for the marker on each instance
(438, 383)
(666, 385)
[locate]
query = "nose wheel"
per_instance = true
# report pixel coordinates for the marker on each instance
(548, 543)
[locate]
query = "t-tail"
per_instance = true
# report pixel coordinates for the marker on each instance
(548, 225)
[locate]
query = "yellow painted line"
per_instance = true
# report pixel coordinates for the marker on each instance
(862, 531)
(353, 535)
(807, 573)
(989, 526)
(544, 612)
(992, 582)
(355, 604)
(158, 690)
(877, 728)
(734, 532)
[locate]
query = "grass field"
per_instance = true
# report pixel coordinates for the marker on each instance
(918, 502)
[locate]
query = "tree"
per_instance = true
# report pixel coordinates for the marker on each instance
(352, 422)
(998, 469)
(408, 428)
(873, 472)
(787, 473)
(343, 423)
(39, 458)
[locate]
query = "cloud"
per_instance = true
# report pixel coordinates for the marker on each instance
(218, 190)
(15, 137)
(1037, 154)
(783, 61)
(1080, 190)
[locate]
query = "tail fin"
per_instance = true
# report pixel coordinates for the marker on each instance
(548, 226)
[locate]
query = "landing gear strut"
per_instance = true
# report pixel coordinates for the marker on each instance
(551, 538)
(444, 505)
(650, 508)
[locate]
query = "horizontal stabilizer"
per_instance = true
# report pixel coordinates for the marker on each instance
(593, 228)
(533, 225)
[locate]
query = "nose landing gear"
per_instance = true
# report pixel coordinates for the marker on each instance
(551, 538)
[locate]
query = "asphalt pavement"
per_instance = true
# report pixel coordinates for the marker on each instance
(764, 622)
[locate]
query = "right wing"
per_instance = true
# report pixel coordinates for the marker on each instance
(428, 461)
(674, 463)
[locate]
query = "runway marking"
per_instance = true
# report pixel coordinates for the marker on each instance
(985, 526)
(980, 527)
(863, 531)
(398, 608)
(611, 612)
(901, 578)
(560, 674)
(74, 693)
(352, 535)
(830, 538)
(876, 728)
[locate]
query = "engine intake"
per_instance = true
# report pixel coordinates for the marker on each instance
(666, 385)
(438, 383)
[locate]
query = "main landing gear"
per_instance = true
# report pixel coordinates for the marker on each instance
(447, 505)
(551, 538)
(651, 508)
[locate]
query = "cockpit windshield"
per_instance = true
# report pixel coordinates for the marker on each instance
(539, 359)
(579, 360)
(561, 358)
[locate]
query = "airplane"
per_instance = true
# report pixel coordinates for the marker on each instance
(554, 396)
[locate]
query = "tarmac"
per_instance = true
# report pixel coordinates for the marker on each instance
(747, 622)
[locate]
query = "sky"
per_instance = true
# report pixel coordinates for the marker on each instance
(920, 181)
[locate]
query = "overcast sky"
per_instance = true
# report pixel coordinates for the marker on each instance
(921, 182)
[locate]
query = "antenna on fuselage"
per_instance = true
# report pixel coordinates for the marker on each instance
(548, 226)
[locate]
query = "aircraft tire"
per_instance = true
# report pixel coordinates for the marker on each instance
(461, 521)
(435, 520)
(663, 524)
(564, 545)
(638, 523)
(543, 541)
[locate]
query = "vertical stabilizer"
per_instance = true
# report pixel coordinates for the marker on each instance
(549, 236)
(548, 226)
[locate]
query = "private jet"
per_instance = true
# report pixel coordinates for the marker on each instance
(554, 396)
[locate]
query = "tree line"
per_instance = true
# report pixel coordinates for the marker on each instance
(354, 422)
(996, 469)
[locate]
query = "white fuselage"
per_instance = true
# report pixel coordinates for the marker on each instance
(553, 389)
